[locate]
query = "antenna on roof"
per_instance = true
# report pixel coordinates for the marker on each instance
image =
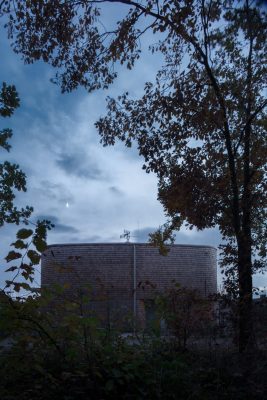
(126, 235)
(138, 231)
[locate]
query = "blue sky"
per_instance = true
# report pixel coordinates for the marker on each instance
(91, 193)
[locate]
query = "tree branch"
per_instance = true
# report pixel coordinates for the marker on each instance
(249, 121)
(203, 58)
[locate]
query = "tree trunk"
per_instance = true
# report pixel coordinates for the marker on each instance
(245, 322)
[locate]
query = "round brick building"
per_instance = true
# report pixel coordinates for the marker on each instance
(122, 277)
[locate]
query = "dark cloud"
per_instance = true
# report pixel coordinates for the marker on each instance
(92, 239)
(78, 164)
(85, 239)
(115, 190)
(65, 228)
(59, 227)
(55, 191)
(141, 235)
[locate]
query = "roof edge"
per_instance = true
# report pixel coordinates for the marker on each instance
(129, 244)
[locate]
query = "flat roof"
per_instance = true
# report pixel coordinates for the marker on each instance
(128, 243)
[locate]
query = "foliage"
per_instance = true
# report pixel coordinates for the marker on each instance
(201, 126)
(11, 177)
(26, 255)
(163, 237)
(186, 313)
(51, 356)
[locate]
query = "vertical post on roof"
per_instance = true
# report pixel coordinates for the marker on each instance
(134, 285)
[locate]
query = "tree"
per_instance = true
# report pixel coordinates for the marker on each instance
(11, 177)
(201, 126)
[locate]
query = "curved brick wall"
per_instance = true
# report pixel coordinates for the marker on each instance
(108, 269)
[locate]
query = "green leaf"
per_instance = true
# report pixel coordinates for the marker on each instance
(19, 244)
(11, 269)
(109, 385)
(5, 134)
(17, 287)
(34, 256)
(25, 286)
(28, 271)
(9, 100)
(24, 233)
(40, 245)
(12, 255)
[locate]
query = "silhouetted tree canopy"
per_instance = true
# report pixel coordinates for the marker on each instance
(12, 179)
(201, 126)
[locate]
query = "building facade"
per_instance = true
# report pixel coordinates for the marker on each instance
(122, 278)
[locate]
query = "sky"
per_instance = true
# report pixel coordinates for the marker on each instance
(90, 192)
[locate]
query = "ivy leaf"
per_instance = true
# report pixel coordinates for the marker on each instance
(12, 255)
(24, 233)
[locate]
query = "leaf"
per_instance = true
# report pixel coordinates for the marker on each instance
(11, 269)
(26, 267)
(24, 233)
(109, 385)
(25, 286)
(19, 244)
(12, 255)
(34, 256)
(17, 286)
(28, 271)
(40, 244)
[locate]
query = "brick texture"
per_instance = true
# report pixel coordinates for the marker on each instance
(111, 271)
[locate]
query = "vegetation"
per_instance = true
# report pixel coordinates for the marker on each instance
(53, 353)
(11, 177)
(201, 126)
(186, 313)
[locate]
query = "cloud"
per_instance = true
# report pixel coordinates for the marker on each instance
(78, 164)
(115, 190)
(89, 239)
(59, 227)
(57, 145)
(141, 235)
(54, 191)
(208, 237)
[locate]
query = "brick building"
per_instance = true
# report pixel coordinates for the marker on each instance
(123, 278)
